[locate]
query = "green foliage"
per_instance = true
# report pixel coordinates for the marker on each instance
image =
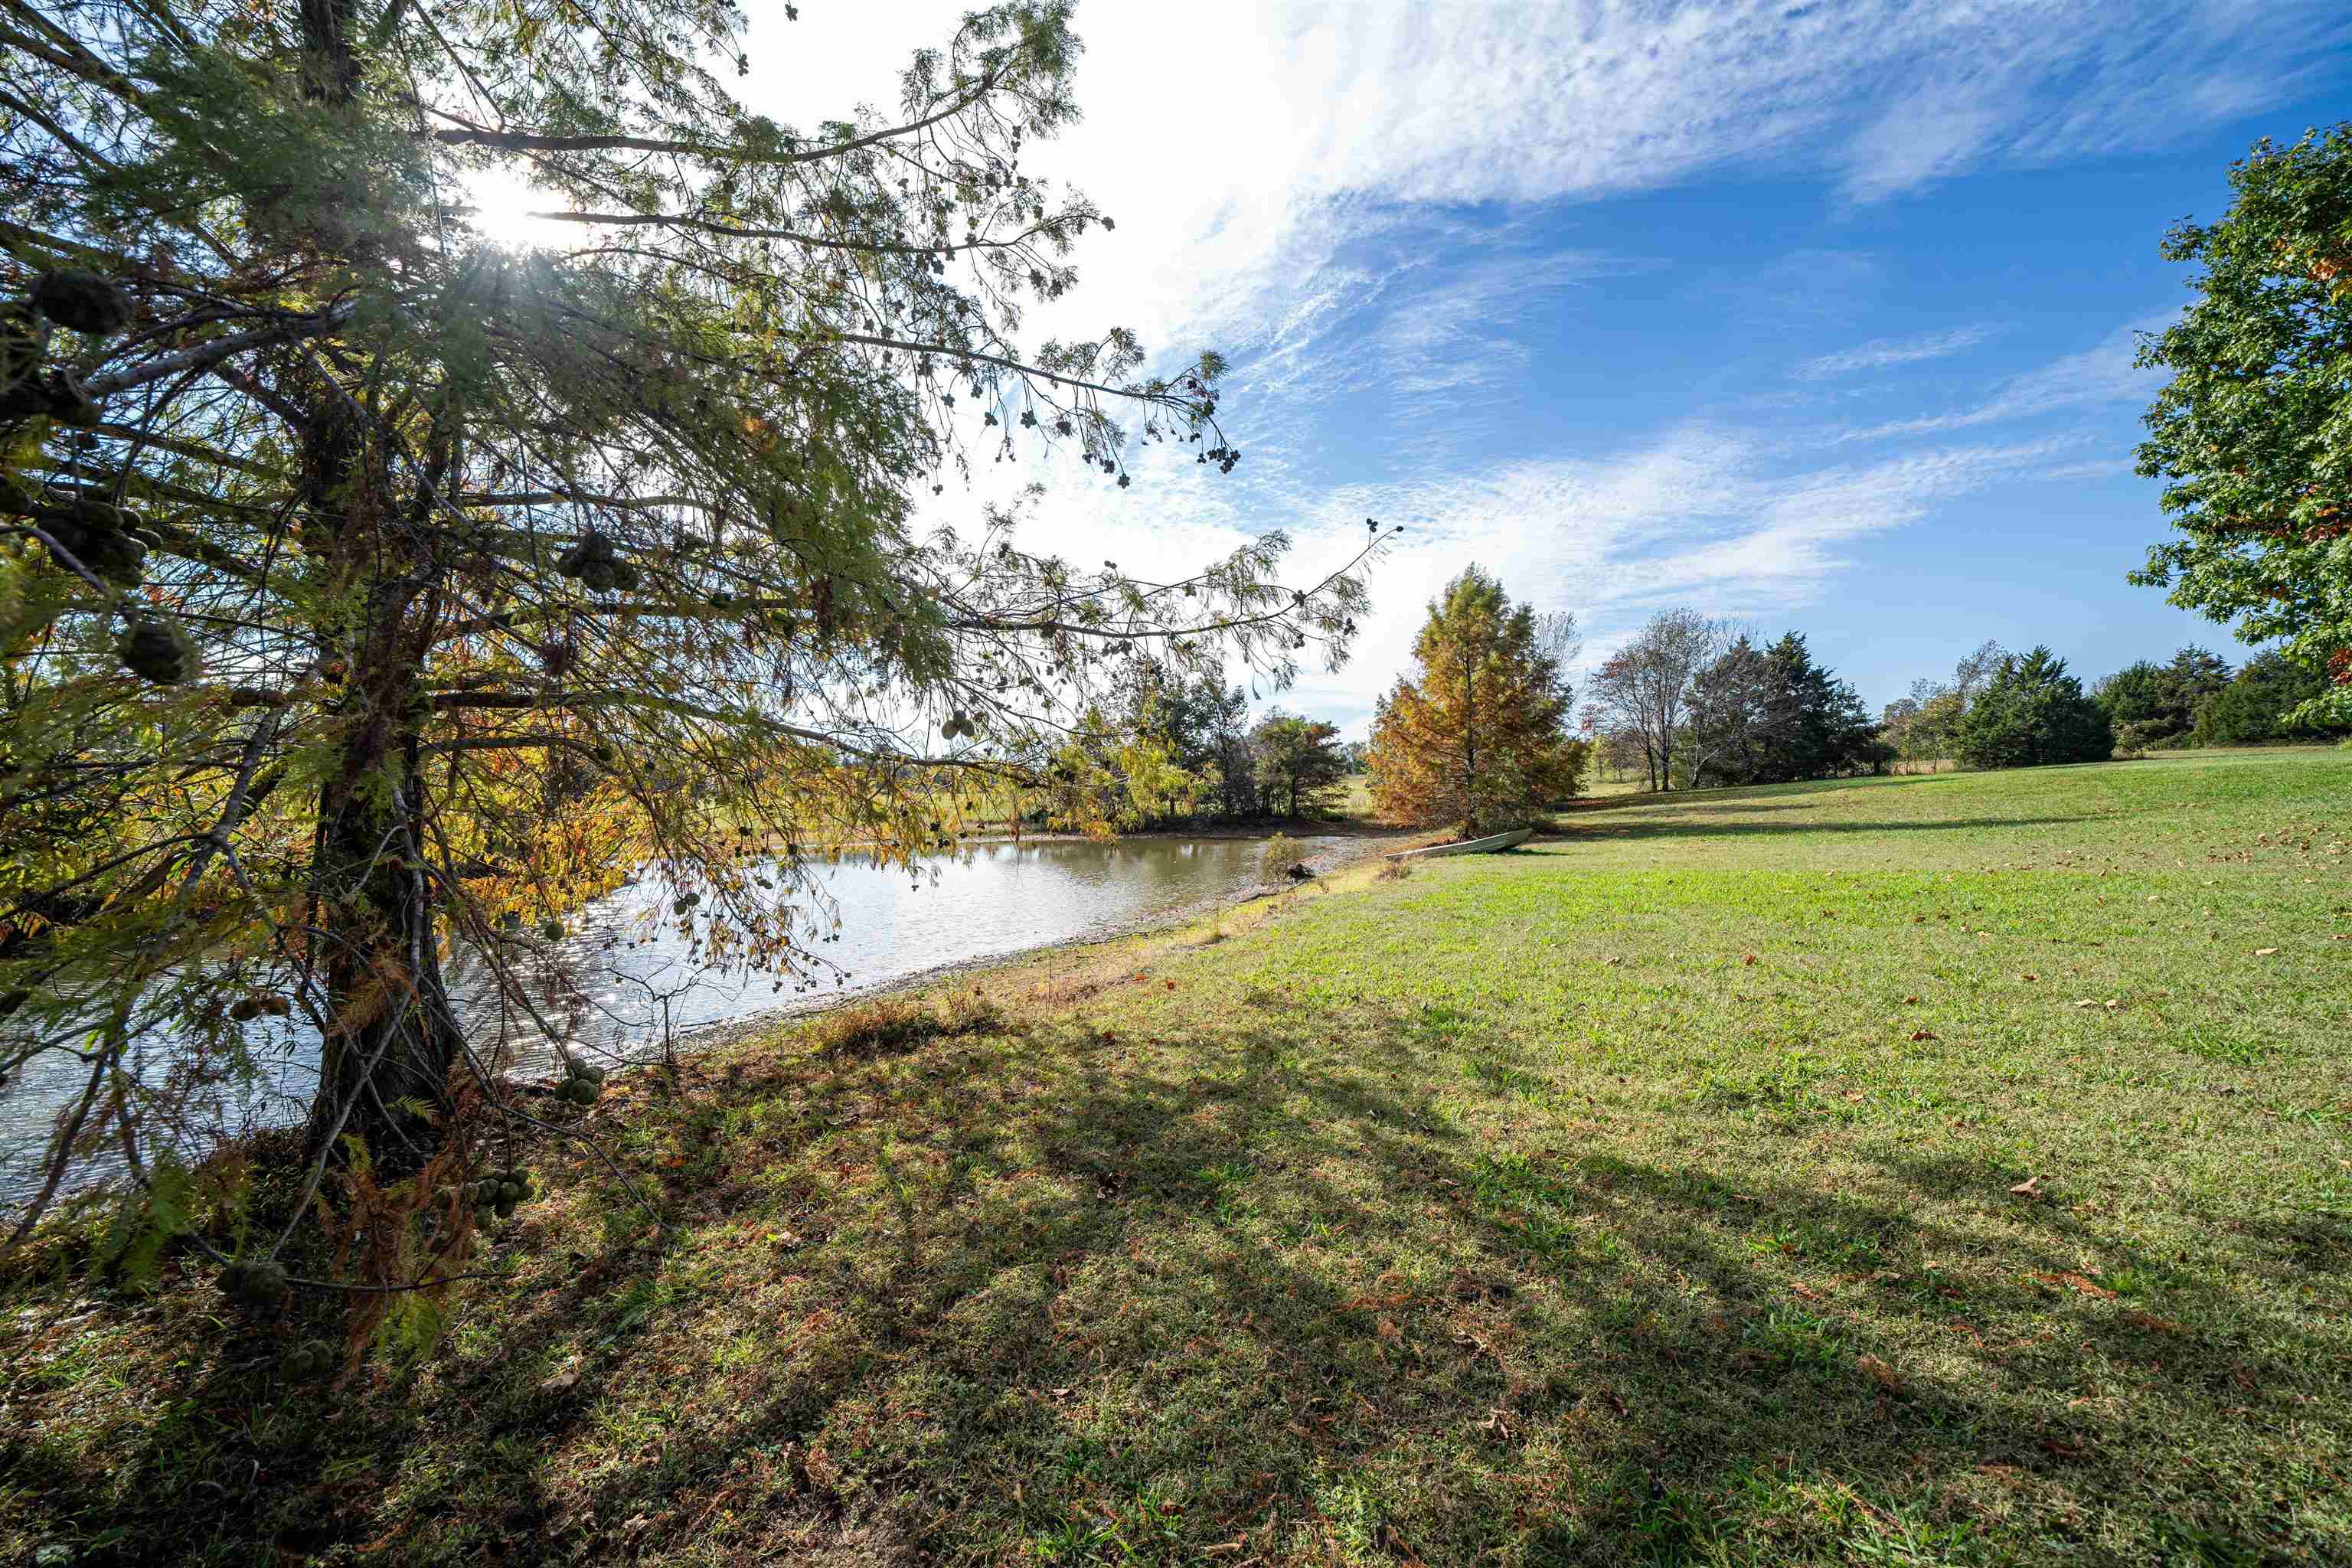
(2253, 435)
(2159, 701)
(1201, 721)
(2030, 713)
(1773, 716)
(1299, 768)
(2271, 698)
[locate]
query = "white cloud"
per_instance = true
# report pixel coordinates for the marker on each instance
(2096, 375)
(1329, 188)
(1704, 516)
(1885, 353)
(1246, 145)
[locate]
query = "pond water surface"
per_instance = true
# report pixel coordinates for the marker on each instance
(624, 971)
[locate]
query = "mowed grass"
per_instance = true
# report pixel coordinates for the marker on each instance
(1646, 1196)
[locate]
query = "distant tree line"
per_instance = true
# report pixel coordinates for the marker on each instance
(2194, 699)
(1204, 761)
(1695, 703)
(2006, 710)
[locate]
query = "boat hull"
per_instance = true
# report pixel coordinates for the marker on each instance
(1490, 844)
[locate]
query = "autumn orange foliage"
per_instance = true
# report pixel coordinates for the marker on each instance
(1478, 737)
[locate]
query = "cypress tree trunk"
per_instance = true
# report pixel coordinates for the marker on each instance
(390, 1038)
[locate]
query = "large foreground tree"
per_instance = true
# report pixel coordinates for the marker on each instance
(2252, 436)
(368, 590)
(1478, 733)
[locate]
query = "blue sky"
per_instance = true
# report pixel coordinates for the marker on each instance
(1809, 315)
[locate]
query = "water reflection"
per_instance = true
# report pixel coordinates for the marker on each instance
(626, 972)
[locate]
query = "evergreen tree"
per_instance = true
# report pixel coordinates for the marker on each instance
(2149, 703)
(1772, 715)
(1831, 733)
(2267, 700)
(2030, 713)
(1478, 734)
(368, 592)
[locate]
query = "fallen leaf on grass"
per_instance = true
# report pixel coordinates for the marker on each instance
(1885, 1376)
(1749, 959)
(2058, 1450)
(1910, 1001)
(2151, 1321)
(2029, 977)
(1923, 1034)
(2076, 1282)
(1613, 962)
(2265, 952)
(2029, 1188)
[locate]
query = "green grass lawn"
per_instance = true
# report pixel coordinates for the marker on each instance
(1646, 1196)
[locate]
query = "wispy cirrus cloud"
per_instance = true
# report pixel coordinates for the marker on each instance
(1337, 191)
(1886, 354)
(1248, 150)
(2104, 373)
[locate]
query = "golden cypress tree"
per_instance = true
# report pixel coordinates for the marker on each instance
(1479, 736)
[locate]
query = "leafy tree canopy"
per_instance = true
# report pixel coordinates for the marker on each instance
(369, 593)
(2253, 435)
(1300, 765)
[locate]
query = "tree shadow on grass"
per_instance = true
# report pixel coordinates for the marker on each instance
(1574, 832)
(1096, 1298)
(1791, 796)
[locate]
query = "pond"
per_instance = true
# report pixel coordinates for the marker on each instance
(631, 977)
